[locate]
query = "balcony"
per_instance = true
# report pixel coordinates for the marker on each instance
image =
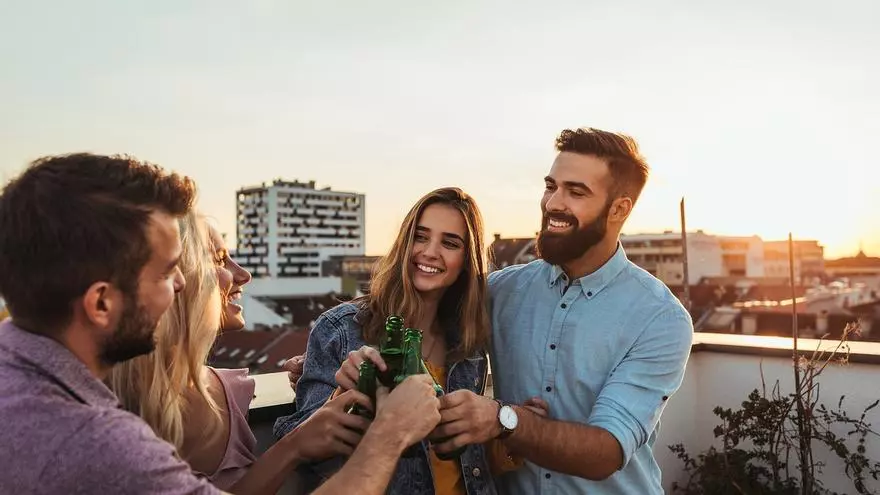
(722, 371)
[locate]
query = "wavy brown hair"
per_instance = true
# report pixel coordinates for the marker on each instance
(463, 310)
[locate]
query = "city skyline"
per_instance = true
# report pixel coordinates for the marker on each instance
(489, 234)
(763, 116)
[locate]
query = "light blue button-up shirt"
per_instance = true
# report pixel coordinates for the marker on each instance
(606, 350)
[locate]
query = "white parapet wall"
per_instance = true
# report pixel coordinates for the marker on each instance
(294, 286)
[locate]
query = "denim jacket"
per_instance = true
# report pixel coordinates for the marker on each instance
(339, 331)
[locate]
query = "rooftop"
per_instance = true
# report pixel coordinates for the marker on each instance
(262, 351)
(238, 349)
(860, 260)
(282, 183)
(288, 345)
(506, 252)
(302, 311)
(624, 238)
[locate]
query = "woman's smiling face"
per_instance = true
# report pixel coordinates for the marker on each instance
(232, 278)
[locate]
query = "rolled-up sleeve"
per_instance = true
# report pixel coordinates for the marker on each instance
(631, 401)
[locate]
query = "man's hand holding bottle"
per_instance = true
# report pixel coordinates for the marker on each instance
(408, 413)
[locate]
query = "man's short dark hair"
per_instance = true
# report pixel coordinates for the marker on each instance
(69, 221)
(628, 168)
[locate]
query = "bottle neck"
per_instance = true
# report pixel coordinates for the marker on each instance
(412, 353)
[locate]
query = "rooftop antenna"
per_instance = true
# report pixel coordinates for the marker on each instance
(686, 298)
(801, 407)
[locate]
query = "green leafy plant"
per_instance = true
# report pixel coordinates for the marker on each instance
(767, 443)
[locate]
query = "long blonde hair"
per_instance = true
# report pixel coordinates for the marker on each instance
(464, 304)
(155, 386)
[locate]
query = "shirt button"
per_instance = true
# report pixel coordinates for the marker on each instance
(589, 294)
(563, 305)
(476, 472)
(549, 389)
(552, 347)
(547, 476)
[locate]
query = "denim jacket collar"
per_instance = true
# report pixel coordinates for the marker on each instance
(452, 336)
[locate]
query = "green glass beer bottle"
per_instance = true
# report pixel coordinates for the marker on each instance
(391, 350)
(412, 355)
(412, 365)
(367, 386)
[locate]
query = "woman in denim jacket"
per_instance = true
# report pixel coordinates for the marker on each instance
(435, 277)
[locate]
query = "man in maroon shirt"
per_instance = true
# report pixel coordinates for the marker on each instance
(88, 264)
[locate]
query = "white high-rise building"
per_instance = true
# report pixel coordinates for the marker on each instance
(287, 230)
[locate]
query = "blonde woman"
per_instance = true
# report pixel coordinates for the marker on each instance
(202, 411)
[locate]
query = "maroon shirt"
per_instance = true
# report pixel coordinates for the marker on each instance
(63, 431)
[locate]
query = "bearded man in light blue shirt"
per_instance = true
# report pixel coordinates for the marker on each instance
(600, 341)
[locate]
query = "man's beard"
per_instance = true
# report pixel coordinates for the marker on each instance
(133, 337)
(558, 249)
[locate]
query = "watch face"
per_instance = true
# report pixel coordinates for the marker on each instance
(508, 417)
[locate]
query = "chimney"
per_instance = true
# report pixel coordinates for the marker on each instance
(749, 324)
(822, 322)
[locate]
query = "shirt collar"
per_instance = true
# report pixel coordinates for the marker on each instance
(56, 362)
(595, 282)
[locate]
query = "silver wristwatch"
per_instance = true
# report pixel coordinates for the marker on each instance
(507, 418)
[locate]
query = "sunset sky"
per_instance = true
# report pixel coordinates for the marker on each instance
(764, 115)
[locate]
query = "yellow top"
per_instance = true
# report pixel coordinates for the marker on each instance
(447, 474)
